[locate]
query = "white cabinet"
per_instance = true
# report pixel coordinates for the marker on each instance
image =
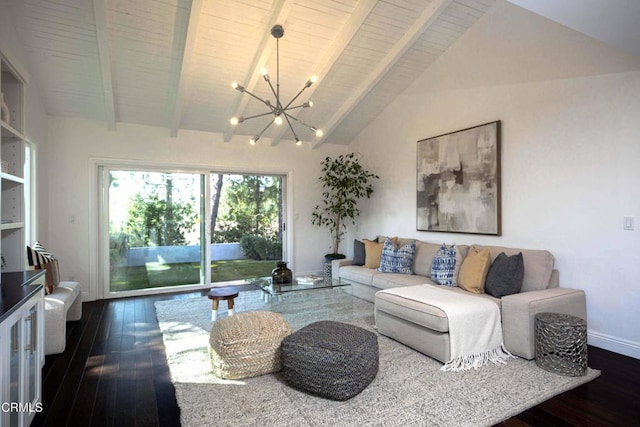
(21, 347)
(12, 154)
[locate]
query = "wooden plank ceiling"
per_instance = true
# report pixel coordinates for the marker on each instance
(170, 63)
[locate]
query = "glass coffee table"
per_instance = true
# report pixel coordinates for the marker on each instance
(300, 283)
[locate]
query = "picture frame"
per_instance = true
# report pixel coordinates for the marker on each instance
(458, 188)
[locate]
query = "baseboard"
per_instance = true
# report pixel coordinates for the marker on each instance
(615, 344)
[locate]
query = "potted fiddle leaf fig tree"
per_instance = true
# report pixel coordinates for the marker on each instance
(344, 182)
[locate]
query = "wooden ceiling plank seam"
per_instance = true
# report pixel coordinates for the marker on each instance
(280, 13)
(330, 57)
(179, 94)
(428, 16)
(104, 58)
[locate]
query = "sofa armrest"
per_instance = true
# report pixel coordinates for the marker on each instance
(519, 312)
(337, 263)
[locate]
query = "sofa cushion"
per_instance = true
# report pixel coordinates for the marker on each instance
(423, 258)
(358, 252)
(425, 252)
(357, 274)
(394, 280)
(505, 275)
(397, 259)
(538, 266)
(372, 253)
(419, 312)
(473, 272)
(443, 266)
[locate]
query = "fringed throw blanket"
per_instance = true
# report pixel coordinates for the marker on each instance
(475, 329)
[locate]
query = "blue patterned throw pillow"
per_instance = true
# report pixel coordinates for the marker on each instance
(443, 266)
(397, 260)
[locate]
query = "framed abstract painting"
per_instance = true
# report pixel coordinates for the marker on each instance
(458, 181)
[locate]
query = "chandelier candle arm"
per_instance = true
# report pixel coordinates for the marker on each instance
(278, 110)
(308, 84)
(313, 129)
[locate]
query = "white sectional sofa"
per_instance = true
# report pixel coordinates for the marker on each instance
(424, 327)
(62, 305)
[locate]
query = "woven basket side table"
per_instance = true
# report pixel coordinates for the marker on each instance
(561, 344)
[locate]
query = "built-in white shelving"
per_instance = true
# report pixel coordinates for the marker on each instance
(12, 182)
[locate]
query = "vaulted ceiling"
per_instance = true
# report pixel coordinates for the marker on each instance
(170, 63)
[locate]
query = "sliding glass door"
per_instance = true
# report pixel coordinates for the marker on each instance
(167, 229)
(155, 236)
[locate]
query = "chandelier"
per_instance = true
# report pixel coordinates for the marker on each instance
(278, 109)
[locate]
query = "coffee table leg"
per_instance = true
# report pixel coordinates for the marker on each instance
(214, 310)
(230, 306)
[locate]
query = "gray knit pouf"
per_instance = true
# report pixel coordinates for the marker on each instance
(330, 359)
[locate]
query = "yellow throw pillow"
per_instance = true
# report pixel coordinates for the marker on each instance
(474, 269)
(372, 253)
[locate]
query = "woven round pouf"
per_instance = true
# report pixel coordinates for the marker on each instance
(561, 344)
(330, 359)
(247, 344)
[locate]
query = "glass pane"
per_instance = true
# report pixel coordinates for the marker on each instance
(154, 230)
(247, 225)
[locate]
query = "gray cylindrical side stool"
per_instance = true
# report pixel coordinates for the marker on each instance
(561, 344)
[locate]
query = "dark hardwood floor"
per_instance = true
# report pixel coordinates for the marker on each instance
(114, 373)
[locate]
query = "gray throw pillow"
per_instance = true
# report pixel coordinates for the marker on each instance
(505, 275)
(358, 252)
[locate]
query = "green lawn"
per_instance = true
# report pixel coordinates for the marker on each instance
(155, 275)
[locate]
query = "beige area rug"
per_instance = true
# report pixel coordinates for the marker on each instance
(408, 390)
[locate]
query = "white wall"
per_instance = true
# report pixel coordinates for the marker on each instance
(77, 143)
(570, 155)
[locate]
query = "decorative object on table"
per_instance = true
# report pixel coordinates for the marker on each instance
(281, 275)
(561, 344)
(458, 181)
(344, 182)
(330, 359)
(278, 111)
(311, 279)
(5, 113)
(248, 344)
(5, 166)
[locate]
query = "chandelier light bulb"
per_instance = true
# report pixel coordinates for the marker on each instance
(253, 141)
(234, 85)
(310, 103)
(298, 142)
(319, 133)
(234, 121)
(264, 71)
(278, 120)
(313, 79)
